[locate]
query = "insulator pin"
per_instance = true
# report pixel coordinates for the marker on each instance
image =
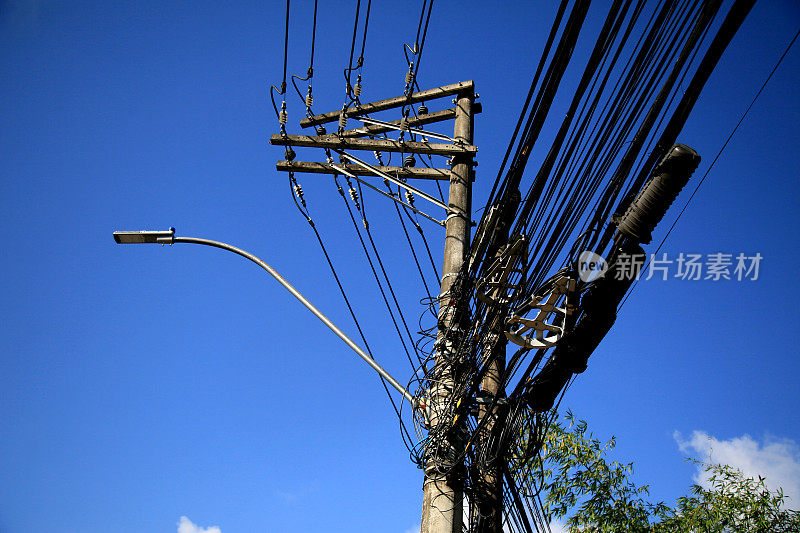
(409, 75)
(289, 154)
(309, 98)
(354, 194)
(357, 88)
(422, 110)
(342, 120)
(652, 202)
(298, 190)
(409, 161)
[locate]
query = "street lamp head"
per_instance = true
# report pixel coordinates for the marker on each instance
(138, 237)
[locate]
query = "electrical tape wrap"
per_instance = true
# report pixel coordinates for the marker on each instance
(653, 201)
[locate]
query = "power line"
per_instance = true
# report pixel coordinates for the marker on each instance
(716, 157)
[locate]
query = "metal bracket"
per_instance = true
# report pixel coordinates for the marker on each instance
(497, 276)
(545, 334)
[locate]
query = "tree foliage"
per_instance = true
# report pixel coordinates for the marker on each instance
(598, 496)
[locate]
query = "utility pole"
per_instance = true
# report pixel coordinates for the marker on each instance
(443, 486)
(443, 492)
(487, 474)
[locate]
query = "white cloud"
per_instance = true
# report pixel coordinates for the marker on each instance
(777, 460)
(414, 529)
(186, 526)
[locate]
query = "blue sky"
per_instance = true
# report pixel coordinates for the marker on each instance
(145, 384)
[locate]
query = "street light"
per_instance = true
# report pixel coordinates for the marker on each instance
(168, 237)
(141, 237)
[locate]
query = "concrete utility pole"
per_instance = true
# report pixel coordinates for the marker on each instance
(487, 478)
(443, 488)
(442, 504)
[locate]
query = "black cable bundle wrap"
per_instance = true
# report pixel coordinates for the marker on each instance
(653, 201)
(599, 306)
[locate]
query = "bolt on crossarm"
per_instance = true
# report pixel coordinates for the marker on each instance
(168, 237)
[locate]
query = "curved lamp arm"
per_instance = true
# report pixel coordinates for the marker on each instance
(168, 237)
